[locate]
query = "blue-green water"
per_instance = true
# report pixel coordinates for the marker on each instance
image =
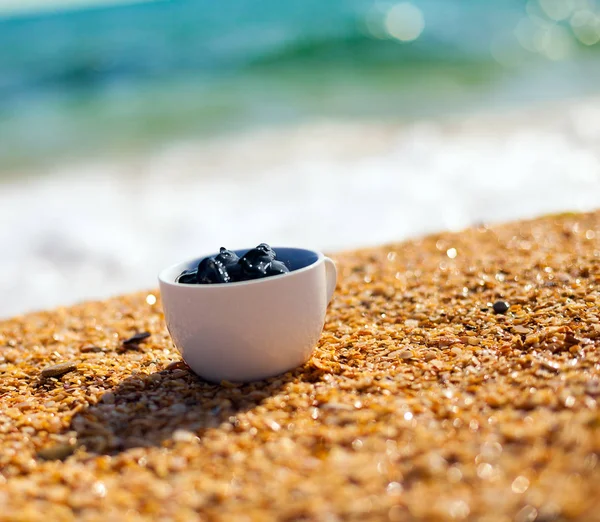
(121, 78)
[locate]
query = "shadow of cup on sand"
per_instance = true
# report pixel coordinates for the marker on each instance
(150, 410)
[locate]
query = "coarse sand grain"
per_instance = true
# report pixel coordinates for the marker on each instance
(420, 402)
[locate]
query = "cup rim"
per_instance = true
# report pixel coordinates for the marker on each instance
(162, 275)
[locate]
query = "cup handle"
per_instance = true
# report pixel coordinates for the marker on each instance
(331, 277)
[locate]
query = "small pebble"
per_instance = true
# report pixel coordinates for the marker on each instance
(501, 307)
(184, 436)
(56, 452)
(137, 338)
(177, 365)
(108, 398)
(521, 330)
(56, 370)
(91, 349)
(227, 267)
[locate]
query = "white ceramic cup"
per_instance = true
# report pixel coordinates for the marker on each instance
(250, 330)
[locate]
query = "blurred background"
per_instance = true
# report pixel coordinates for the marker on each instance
(136, 135)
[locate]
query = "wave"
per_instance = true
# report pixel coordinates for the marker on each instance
(115, 78)
(93, 48)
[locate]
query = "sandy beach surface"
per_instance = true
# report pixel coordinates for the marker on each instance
(94, 229)
(422, 400)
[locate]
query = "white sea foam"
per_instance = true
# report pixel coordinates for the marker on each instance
(95, 230)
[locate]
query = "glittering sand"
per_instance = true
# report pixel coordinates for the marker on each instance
(420, 402)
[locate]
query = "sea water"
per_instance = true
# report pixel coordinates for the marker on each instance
(111, 80)
(134, 137)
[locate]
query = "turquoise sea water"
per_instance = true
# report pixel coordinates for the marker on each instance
(121, 78)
